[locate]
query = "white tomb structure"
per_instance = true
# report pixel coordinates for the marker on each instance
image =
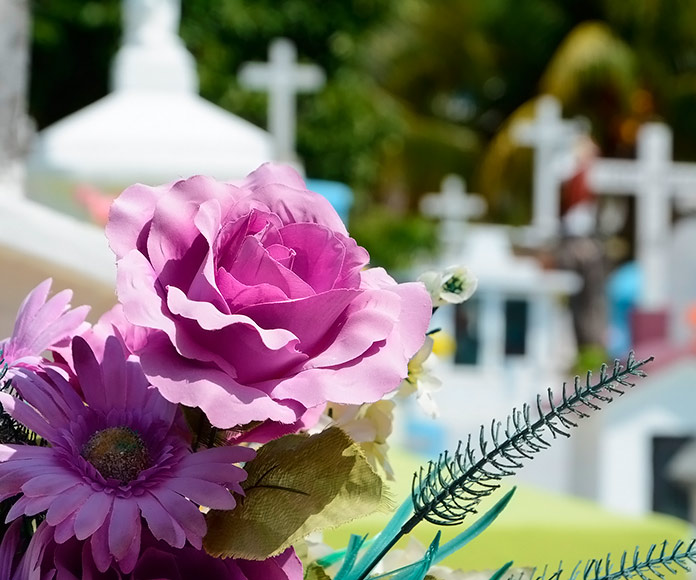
(152, 128)
(282, 77)
(36, 242)
(513, 293)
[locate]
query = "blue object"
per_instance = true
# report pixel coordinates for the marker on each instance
(340, 196)
(623, 290)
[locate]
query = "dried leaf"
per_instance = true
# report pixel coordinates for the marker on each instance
(296, 485)
(315, 572)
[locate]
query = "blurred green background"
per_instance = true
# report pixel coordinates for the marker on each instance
(416, 89)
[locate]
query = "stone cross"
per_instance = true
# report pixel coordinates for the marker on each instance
(14, 67)
(283, 78)
(654, 179)
(552, 139)
(453, 206)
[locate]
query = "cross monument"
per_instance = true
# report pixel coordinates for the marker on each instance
(552, 138)
(453, 206)
(654, 179)
(283, 78)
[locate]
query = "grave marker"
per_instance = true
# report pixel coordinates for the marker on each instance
(654, 179)
(282, 77)
(453, 206)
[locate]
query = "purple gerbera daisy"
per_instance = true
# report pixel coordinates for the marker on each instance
(121, 453)
(72, 560)
(41, 325)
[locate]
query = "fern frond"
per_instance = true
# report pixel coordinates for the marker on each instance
(451, 487)
(656, 562)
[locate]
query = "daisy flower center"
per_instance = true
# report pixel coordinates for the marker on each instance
(118, 453)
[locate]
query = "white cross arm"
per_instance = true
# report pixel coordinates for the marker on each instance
(683, 177)
(617, 176)
(306, 77)
(530, 132)
(434, 205)
(309, 77)
(254, 75)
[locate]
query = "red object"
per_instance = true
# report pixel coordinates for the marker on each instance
(649, 326)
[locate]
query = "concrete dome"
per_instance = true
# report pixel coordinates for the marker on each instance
(150, 136)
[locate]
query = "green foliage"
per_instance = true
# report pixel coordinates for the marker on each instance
(73, 44)
(415, 89)
(589, 357)
(392, 239)
(315, 572)
(653, 564)
(296, 484)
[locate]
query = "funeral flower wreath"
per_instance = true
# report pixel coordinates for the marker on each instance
(239, 398)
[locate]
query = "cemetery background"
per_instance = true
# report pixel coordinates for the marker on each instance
(414, 92)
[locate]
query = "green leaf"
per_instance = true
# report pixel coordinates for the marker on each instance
(296, 485)
(474, 530)
(356, 542)
(416, 570)
(384, 538)
(338, 555)
(315, 572)
(499, 573)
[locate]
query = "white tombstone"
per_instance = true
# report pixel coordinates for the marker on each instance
(14, 123)
(682, 279)
(152, 128)
(553, 140)
(282, 77)
(502, 275)
(661, 405)
(453, 206)
(655, 180)
(35, 242)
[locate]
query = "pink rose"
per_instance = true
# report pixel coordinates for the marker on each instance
(257, 299)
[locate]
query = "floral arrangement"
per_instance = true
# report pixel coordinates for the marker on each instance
(239, 398)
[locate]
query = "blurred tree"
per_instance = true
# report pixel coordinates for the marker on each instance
(416, 89)
(73, 44)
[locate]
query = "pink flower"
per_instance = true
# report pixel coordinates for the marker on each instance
(117, 456)
(41, 325)
(259, 300)
(72, 560)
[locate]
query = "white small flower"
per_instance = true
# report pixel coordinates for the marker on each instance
(421, 381)
(453, 286)
(369, 425)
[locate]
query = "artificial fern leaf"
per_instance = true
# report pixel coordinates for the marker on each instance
(656, 562)
(451, 487)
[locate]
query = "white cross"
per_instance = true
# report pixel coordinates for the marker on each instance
(453, 206)
(552, 139)
(654, 179)
(283, 78)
